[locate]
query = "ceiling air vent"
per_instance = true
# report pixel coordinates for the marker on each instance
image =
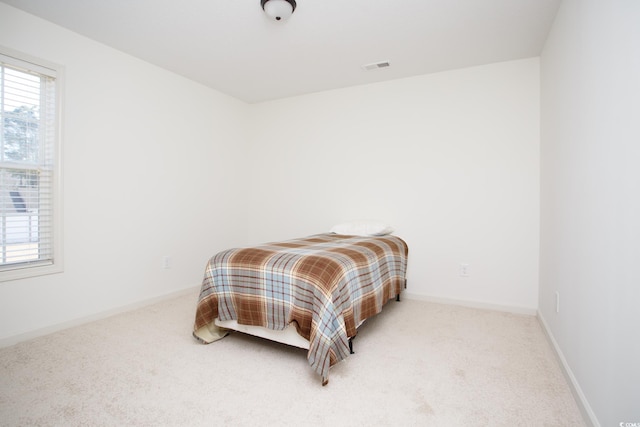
(376, 65)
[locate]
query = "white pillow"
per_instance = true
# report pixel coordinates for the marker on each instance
(362, 228)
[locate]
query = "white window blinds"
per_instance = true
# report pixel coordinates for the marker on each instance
(28, 131)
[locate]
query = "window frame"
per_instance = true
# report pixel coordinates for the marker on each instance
(56, 265)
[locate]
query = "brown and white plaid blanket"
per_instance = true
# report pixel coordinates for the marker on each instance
(325, 285)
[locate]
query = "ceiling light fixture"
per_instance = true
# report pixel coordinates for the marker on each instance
(278, 9)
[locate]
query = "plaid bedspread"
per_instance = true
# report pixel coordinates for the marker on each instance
(325, 285)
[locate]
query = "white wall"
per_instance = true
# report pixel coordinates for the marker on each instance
(451, 160)
(590, 207)
(151, 166)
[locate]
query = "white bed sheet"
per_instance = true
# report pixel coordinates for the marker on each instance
(288, 336)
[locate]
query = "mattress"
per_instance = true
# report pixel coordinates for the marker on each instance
(321, 286)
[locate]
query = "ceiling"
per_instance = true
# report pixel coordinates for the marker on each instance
(232, 46)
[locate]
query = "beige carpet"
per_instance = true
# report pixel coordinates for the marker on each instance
(416, 364)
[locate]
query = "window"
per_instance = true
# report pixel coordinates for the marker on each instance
(30, 214)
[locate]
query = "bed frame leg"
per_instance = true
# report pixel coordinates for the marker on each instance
(398, 297)
(351, 346)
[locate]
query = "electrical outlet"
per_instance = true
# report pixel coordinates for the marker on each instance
(463, 270)
(166, 262)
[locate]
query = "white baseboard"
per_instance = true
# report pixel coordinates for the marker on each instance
(472, 304)
(587, 413)
(15, 339)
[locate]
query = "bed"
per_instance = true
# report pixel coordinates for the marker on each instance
(311, 292)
